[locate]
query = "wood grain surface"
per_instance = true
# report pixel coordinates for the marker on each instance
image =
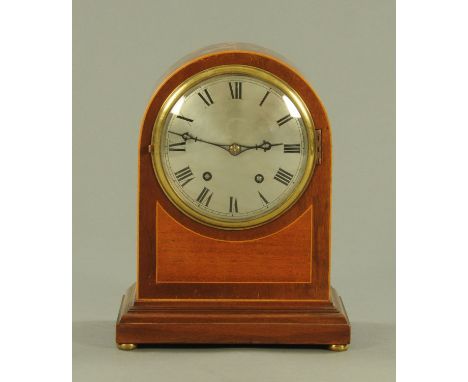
(187, 257)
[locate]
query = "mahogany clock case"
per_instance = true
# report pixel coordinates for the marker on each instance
(264, 285)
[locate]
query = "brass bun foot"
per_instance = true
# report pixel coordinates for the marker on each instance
(126, 346)
(338, 347)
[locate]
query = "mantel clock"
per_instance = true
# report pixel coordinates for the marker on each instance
(234, 209)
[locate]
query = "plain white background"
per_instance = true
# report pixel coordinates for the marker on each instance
(36, 208)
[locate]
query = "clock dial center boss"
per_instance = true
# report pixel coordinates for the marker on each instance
(233, 147)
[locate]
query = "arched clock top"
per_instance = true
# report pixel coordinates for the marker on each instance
(157, 188)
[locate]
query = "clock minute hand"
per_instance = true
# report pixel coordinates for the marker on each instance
(187, 136)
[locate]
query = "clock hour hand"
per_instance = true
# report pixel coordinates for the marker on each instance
(265, 146)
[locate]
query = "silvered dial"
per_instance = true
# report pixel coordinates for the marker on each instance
(234, 149)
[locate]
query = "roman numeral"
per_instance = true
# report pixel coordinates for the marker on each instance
(177, 146)
(292, 148)
(185, 118)
(208, 100)
(283, 176)
(233, 204)
(262, 197)
(236, 90)
(264, 98)
(283, 120)
(184, 174)
(203, 194)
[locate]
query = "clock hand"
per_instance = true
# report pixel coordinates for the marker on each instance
(265, 146)
(234, 149)
(188, 136)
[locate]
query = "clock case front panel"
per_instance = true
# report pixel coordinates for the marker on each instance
(188, 271)
(154, 204)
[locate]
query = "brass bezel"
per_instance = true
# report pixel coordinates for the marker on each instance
(192, 82)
